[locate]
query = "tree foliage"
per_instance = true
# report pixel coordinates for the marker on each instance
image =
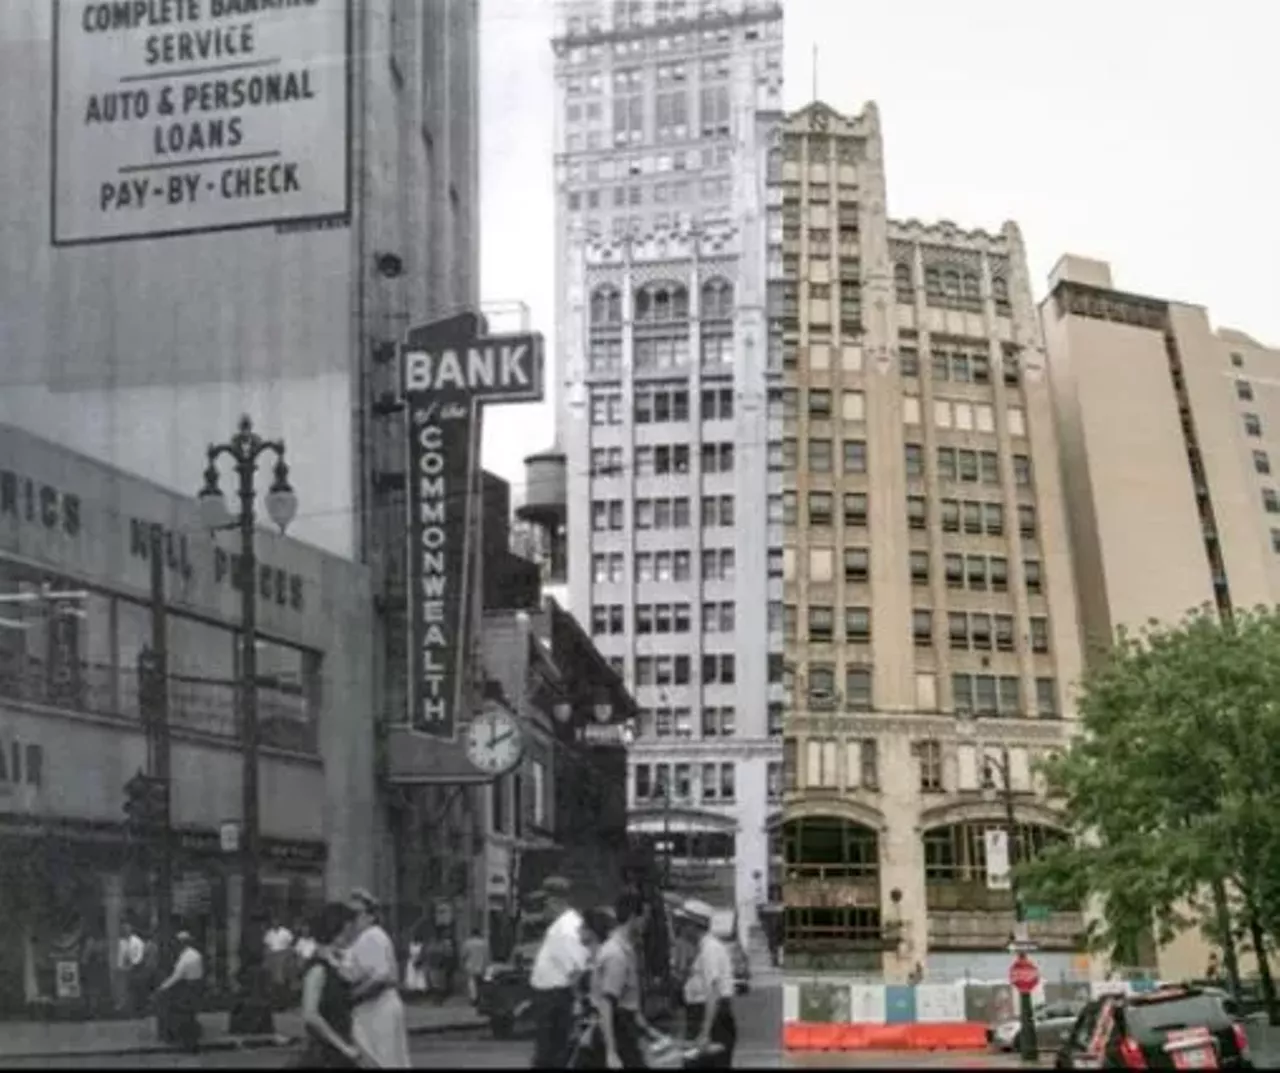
(1173, 783)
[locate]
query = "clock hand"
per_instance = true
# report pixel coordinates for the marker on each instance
(501, 738)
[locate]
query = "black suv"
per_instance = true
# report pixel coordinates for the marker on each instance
(1169, 1028)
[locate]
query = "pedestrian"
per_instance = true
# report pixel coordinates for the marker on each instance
(304, 949)
(709, 990)
(327, 1006)
(378, 1026)
(559, 965)
(615, 992)
(416, 983)
(475, 959)
(278, 942)
(180, 995)
(131, 955)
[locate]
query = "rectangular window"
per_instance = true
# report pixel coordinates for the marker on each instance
(857, 564)
(855, 456)
(821, 508)
(855, 509)
(821, 624)
(857, 624)
(1046, 697)
(1252, 425)
(917, 513)
(819, 404)
(947, 470)
(857, 689)
(1039, 634)
(930, 753)
(1261, 462)
(919, 561)
(914, 460)
(820, 456)
(922, 627)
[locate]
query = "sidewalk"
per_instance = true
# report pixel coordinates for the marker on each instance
(37, 1039)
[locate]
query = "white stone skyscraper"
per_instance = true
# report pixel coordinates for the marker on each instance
(662, 367)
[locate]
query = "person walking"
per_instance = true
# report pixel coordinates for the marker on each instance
(709, 990)
(416, 983)
(378, 1026)
(180, 993)
(615, 991)
(560, 962)
(475, 959)
(131, 953)
(278, 943)
(327, 1005)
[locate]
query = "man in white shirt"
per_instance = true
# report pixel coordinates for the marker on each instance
(181, 993)
(559, 966)
(278, 942)
(131, 952)
(709, 990)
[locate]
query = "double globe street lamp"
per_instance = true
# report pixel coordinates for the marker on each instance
(251, 1013)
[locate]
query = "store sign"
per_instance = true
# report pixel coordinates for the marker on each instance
(32, 502)
(450, 370)
(182, 116)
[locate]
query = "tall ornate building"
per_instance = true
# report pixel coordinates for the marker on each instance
(927, 600)
(661, 361)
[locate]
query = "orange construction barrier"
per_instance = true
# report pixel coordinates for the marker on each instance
(809, 1036)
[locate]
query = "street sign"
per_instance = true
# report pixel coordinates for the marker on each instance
(1024, 975)
(1038, 913)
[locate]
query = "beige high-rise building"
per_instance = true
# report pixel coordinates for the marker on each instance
(1166, 432)
(926, 594)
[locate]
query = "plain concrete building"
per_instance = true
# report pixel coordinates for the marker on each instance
(1167, 430)
(75, 612)
(142, 351)
(927, 602)
(661, 365)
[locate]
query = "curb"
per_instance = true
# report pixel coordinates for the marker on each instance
(217, 1045)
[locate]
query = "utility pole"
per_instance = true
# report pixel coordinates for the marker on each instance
(1028, 1046)
(155, 666)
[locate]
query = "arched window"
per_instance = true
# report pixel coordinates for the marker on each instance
(717, 300)
(1000, 290)
(971, 289)
(951, 283)
(932, 280)
(606, 306)
(661, 303)
(955, 861)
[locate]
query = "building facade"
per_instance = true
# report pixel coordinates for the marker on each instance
(141, 352)
(1192, 516)
(661, 360)
(930, 622)
(75, 612)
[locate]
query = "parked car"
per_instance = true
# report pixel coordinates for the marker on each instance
(1053, 1021)
(1170, 1028)
(724, 926)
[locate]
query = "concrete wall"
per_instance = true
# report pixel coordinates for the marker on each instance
(329, 796)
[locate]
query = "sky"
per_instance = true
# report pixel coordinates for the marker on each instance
(1138, 132)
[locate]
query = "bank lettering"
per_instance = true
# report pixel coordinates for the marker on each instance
(204, 107)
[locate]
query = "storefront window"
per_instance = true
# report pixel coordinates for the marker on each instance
(202, 677)
(55, 640)
(288, 695)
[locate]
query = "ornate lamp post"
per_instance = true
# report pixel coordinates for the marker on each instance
(251, 1014)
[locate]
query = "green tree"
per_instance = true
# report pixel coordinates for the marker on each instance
(1172, 790)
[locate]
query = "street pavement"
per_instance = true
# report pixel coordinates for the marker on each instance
(759, 1025)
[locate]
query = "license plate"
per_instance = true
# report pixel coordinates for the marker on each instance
(1195, 1058)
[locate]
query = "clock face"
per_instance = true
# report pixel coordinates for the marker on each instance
(495, 742)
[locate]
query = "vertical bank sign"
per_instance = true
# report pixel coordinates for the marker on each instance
(176, 117)
(450, 370)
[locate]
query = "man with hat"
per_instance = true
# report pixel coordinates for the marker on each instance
(709, 990)
(559, 965)
(180, 994)
(377, 1022)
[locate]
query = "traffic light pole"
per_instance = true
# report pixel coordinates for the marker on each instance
(1028, 1045)
(158, 740)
